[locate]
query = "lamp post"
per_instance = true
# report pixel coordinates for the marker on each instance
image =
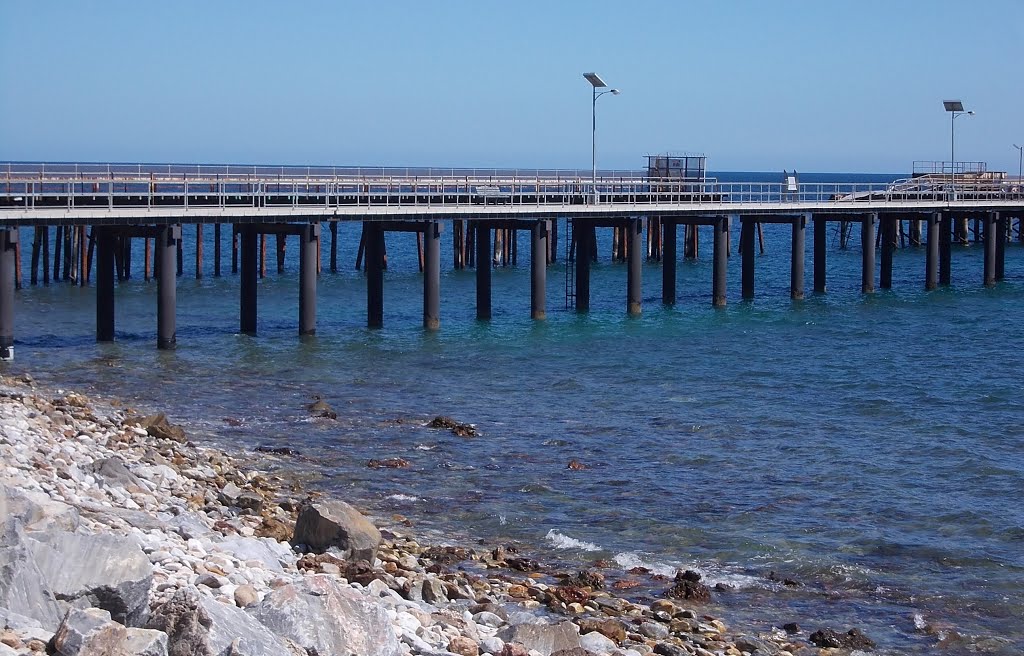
(597, 83)
(1020, 165)
(955, 109)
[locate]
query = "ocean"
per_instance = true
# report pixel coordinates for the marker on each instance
(869, 448)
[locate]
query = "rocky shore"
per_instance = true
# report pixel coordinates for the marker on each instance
(121, 537)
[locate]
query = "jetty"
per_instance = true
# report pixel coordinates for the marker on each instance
(98, 210)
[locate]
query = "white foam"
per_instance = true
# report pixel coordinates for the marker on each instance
(919, 622)
(426, 447)
(562, 541)
(629, 560)
(711, 577)
(402, 497)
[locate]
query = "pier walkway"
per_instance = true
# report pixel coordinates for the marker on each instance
(152, 202)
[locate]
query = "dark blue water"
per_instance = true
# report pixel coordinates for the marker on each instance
(869, 447)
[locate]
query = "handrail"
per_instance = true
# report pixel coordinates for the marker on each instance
(49, 185)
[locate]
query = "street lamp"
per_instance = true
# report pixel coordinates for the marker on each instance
(1020, 165)
(955, 109)
(597, 83)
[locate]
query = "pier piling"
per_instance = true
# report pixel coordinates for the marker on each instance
(483, 270)
(249, 254)
(945, 244)
(373, 235)
(585, 238)
(1002, 224)
(668, 263)
(820, 244)
(199, 251)
(167, 240)
(216, 250)
(931, 261)
(8, 243)
(796, 266)
(634, 234)
(538, 269)
(720, 255)
(867, 249)
(887, 228)
(309, 237)
(746, 257)
(106, 243)
(432, 275)
(990, 220)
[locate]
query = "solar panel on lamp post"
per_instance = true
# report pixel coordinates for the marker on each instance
(955, 109)
(597, 83)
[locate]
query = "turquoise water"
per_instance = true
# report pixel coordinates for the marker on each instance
(869, 447)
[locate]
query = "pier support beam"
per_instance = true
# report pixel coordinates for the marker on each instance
(867, 243)
(931, 261)
(634, 230)
(8, 245)
(747, 226)
(668, 263)
(374, 236)
(915, 232)
(249, 256)
(432, 275)
(721, 261)
(216, 250)
(991, 219)
(820, 244)
(309, 242)
(796, 266)
(166, 286)
(538, 269)
(1001, 236)
(483, 270)
(889, 225)
(945, 246)
(584, 247)
(105, 245)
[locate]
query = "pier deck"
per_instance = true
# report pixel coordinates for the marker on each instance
(152, 202)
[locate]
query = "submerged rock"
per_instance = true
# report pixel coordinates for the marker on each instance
(325, 524)
(320, 408)
(159, 427)
(458, 428)
(852, 639)
(688, 586)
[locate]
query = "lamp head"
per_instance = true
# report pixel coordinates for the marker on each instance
(970, 112)
(615, 92)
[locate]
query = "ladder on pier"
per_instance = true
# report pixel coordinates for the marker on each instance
(570, 265)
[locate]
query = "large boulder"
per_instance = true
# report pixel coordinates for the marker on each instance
(36, 510)
(233, 632)
(23, 587)
(91, 632)
(325, 617)
(267, 551)
(105, 571)
(325, 524)
(185, 622)
(544, 638)
(201, 626)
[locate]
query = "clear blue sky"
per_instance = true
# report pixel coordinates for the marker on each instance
(836, 85)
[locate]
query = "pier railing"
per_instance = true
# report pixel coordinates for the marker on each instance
(98, 186)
